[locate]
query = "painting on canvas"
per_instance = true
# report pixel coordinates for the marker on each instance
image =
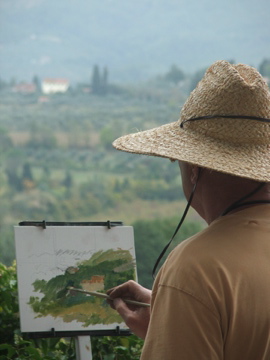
(51, 260)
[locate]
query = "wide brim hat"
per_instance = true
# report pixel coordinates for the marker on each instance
(224, 125)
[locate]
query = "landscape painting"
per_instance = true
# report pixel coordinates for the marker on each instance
(52, 261)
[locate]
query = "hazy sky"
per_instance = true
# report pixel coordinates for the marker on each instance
(139, 38)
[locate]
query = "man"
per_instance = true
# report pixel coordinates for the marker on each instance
(211, 298)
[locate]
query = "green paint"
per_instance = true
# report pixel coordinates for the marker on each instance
(104, 270)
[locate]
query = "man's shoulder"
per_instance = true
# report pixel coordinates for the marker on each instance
(228, 233)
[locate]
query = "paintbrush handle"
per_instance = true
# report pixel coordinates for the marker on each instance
(134, 302)
(101, 295)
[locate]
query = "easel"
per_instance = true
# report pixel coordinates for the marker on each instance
(83, 348)
(82, 338)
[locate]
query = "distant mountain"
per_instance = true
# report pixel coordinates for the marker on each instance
(134, 39)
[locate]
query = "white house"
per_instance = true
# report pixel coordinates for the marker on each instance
(56, 85)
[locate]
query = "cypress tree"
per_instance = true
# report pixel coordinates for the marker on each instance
(96, 83)
(104, 87)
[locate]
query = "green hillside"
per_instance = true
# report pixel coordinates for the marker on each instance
(58, 164)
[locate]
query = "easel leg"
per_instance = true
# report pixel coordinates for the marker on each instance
(83, 348)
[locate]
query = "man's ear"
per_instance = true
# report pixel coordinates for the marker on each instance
(194, 173)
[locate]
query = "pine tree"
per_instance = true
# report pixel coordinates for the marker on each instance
(36, 82)
(68, 181)
(174, 75)
(104, 86)
(27, 172)
(99, 82)
(264, 68)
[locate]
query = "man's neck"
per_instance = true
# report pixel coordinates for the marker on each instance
(220, 194)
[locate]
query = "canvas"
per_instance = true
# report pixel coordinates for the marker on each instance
(51, 260)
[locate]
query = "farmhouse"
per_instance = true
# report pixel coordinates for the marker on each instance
(54, 85)
(96, 283)
(24, 88)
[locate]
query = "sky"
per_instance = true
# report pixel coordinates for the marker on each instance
(134, 39)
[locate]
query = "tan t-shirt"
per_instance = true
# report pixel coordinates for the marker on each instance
(211, 299)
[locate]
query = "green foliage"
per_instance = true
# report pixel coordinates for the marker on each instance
(196, 78)
(151, 237)
(36, 82)
(95, 80)
(27, 172)
(9, 308)
(5, 141)
(41, 137)
(67, 182)
(116, 348)
(99, 82)
(107, 136)
(264, 68)
(174, 75)
(7, 249)
(49, 349)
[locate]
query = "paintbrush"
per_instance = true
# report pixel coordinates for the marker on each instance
(105, 296)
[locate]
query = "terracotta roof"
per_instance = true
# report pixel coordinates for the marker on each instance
(56, 80)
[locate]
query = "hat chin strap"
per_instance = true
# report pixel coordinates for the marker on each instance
(178, 226)
(242, 202)
(207, 117)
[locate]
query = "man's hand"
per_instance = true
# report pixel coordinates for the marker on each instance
(136, 317)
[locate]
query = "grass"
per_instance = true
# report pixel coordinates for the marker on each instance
(81, 139)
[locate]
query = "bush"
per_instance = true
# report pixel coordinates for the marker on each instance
(151, 237)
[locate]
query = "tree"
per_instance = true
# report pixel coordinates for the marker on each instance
(13, 179)
(100, 82)
(3, 84)
(104, 82)
(41, 136)
(27, 177)
(36, 82)
(96, 82)
(68, 181)
(107, 136)
(264, 68)
(151, 237)
(13, 164)
(5, 141)
(174, 75)
(27, 172)
(196, 78)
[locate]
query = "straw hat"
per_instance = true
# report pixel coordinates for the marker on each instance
(224, 125)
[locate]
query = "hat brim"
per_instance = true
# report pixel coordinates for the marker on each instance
(170, 141)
